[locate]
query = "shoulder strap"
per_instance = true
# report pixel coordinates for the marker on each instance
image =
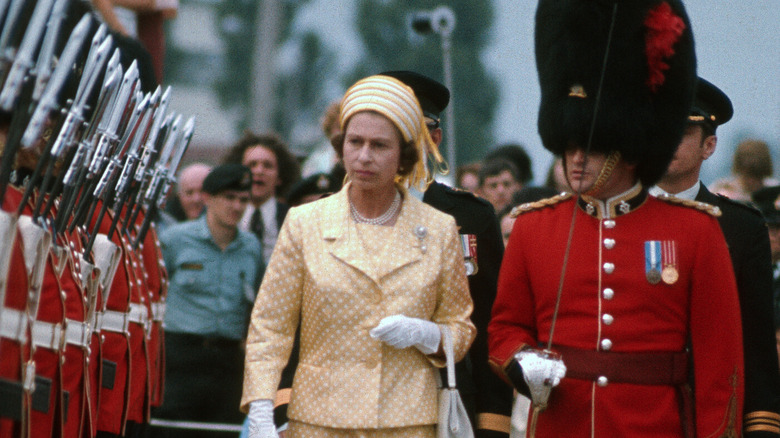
(448, 352)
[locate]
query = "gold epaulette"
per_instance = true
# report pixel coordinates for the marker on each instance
(701, 206)
(531, 206)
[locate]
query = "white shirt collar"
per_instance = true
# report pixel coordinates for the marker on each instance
(689, 194)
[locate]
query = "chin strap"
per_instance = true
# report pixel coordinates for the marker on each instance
(606, 172)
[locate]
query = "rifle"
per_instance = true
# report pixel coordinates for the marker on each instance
(25, 57)
(107, 136)
(27, 137)
(163, 180)
(10, 36)
(104, 190)
(74, 176)
(151, 147)
(43, 67)
(124, 186)
(74, 119)
(148, 172)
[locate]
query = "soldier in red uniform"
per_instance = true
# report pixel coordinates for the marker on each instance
(14, 345)
(156, 283)
(611, 302)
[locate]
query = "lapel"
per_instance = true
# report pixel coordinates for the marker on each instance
(341, 240)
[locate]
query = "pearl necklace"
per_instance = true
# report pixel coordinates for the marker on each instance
(381, 220)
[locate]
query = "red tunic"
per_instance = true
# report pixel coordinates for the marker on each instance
(139, 368)
(113, 400)
(75, 355)
(156, 281)
(608, 303)
(13, 353)
(48, 359)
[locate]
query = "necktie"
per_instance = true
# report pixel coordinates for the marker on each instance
(256, 224)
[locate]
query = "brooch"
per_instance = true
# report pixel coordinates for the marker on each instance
(420, 232)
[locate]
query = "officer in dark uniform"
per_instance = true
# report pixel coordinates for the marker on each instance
(487, 398)
(767, 200)
(748, 243)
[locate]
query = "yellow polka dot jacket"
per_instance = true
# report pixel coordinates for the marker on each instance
(338, 279)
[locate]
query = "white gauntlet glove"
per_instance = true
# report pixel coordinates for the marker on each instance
(400, 331)
(261, 419)
(542, 371)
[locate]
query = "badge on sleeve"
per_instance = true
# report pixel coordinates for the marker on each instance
(468, 243)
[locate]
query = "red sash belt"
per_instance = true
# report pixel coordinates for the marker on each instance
(662, 368)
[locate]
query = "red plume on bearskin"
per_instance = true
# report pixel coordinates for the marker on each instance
(664, 29)
(647, 82)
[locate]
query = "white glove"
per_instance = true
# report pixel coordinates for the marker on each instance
(261, 419)
(542, 371)
(401, 331)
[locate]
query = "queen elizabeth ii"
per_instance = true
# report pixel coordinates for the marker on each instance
(372, 276)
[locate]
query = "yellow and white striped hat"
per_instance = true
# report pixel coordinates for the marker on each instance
(396, 101)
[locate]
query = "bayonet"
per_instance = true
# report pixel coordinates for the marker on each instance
(12, 27)
(3, 9)
(130, 140)
(76, 174)
(108, 139)
(105, 186)
(75, 118)
(123, 186)
(44, 65)
(175, 147)
(184, 142)
(145, 171)
(25, 57)
(49, 99)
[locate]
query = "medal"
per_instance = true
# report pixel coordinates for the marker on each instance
(471, 267)
(653, 261)
(653, 276)
(670, 274)
(468, 244)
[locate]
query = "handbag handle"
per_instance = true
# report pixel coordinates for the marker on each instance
(448, 353)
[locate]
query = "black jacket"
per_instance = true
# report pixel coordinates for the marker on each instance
(487, 398)
(748, 241)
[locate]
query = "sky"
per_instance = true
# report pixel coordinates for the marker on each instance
(737, 44)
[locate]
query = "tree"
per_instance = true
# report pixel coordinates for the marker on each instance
(384, 26)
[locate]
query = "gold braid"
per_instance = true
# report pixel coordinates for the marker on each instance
(606, 171)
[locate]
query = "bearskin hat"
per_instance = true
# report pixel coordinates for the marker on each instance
(643, 76)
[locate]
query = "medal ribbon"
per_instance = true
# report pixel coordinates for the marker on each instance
(652, 261)
(669, 253)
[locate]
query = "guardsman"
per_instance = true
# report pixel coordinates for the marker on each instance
(140, 332)
(607, 297)
(76, 333)
(157, 284)
(748, 242)
(14, 333)
(46, 306)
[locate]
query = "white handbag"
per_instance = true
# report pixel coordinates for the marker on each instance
(453, 418)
